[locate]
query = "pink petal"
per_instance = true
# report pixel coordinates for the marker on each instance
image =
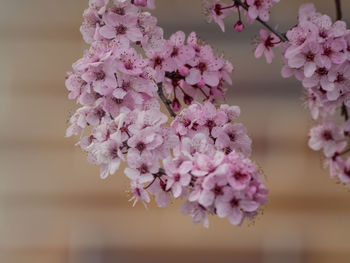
(309, 69)
(236, 217)
(107, 32)
(211, 78)
(193, 77)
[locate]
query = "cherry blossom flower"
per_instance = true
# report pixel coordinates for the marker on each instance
(218, 12)
(260, 8)
(266, 43)
(326, 136)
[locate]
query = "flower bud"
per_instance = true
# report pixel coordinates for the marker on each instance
(184, 71)
(175, 105)
(238, 27)
(201, 83)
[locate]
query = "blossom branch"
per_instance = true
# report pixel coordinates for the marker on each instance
(280, 35)
(166, 102)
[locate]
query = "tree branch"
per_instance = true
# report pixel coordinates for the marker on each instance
(280, 35)
(166, 102)
(338, 9)
(344, 110)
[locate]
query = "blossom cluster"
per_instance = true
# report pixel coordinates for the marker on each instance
(217, 11)
(202, 155)
(211, 165)
(318, 54)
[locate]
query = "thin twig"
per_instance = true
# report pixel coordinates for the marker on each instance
(270, 28)
(166, 102)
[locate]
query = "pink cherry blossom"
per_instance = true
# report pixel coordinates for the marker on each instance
(218, 12)
(266, 43)
(326, 136)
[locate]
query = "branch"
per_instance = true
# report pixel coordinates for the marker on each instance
(339, 11)
(280, 35)
(166, 102)
(344, 110)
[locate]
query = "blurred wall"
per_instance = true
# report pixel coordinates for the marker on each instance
(53, 206)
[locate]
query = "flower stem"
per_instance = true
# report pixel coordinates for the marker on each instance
(166, 102)
(278, 34)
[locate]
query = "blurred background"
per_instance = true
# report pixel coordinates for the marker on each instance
(55, 208)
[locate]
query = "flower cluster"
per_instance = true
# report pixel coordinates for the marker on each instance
(318, 54)
(211, 165)
(193, 72)
(202, 156)
(217, 11)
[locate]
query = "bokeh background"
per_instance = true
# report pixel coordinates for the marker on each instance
(55, 208)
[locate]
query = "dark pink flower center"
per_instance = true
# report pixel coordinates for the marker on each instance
(328, 51)
(327, 135)
(177, 177)
(100, 75)
(128, 65)
(258, 3)
(227, 150)
(119, 10)
(140, 146)
(340, 78)
(144, 169)
(323, 34)
(322, 71)
(118, 101)
(175, 52)
(187, 123)
(100, 113)
(157, 62)
(268, 42)
(210, 124)
(234, 202)
(217, 10)
(120, 30)
(310, 56)
(218, 190)
(239, 176)
(202, 66)
(114, 153)
(232, 137)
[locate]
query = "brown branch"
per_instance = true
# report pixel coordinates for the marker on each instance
(344, 110)
(164, 99)
(338, 9)
(280, 35)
